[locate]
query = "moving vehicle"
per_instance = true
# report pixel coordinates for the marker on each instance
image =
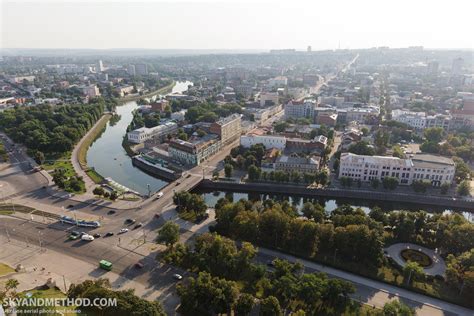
(111, 212)
(74, 235)
(123, 231)
(159, 194)
(109, 234)
(177, 276)
(97, 235)
(130, 221)
(106, 265)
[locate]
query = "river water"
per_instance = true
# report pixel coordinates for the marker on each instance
(109, 158)
(329, 204)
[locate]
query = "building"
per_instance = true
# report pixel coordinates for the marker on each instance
(91, 91)
(458, 64)
(310, 79)
(124, 90)
(298, 145)
(179, 116)
(141, 69)
(143, 134)
(261, 115)
(269, 141)
(195, 151)
(326, 118)
(300, 109)
(159, 105)
(436, 169)
(297, 164)
(100, 66)
(131, 70)
(277, 82)
(433, 67)
(414, 119)
(228, 128)
(268, 98)
(21, 79)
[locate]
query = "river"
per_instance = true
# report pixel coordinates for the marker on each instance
(329, 204)
(109, 158)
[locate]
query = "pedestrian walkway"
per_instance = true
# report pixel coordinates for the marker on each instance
(438, 267)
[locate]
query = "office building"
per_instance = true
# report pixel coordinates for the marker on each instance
(228, 128)
(141, 69)
(300, 109)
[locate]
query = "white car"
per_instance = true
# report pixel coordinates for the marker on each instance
(123, 230)
(177, 276)
(159, 194)
(87, 237)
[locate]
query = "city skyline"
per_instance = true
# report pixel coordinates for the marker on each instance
(228, 25)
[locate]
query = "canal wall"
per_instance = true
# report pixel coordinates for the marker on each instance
(274, 188)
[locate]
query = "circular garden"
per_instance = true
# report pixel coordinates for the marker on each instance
(416, 256)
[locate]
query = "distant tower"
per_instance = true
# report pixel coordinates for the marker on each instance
(309, 49)
(100, 66)
(131, 70)
(433, 67)
(458, 63)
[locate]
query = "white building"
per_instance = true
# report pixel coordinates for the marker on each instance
(143, 134)
(414, 119)
(178, 116)
(300, 109)
(269, 141)
(436, 169)
(100, 66)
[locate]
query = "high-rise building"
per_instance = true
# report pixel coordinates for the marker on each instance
(141, 69)
(433, 67)
(131, 70)
(458, 64)
(100, 66)
(309, 49)
(228, 128)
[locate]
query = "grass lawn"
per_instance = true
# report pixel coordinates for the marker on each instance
(94, 134)
(59, 161)
(97, 178)
(5, 269)
(188, 216)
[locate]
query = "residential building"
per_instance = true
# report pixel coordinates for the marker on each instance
(268, 98)
(178, 116)
(297, 164)
(269, 141)
(300, 109)
(458, 64)
(436, 169)
(277, 82)
(228, 128)
(159, 105)
(124, 90)
(91, 91)
(310, 79)
(100, 66)
(131, 70)
(141, 69)
(414, 119)
(143, 134)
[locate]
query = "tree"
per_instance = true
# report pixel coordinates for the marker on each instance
(168, 234)
(244, 304)
(254, 173)
(375, 183)
(390, 183)
(98, 191)
(113, 195)
(59, 177)
(412, 271)
(270, 307)
(433, 134)
(445, 188)
(420, 185)
(228, 169)
(39, 157)
(397, 308)
(362, 148)
(464, 188)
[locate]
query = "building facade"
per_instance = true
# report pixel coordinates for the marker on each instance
(297, 164)
(228, 128)
(300, 109)
(436, 169)
(143, 134)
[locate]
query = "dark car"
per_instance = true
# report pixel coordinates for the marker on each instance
(130, 221)
(97, 235)
(109, 234)
(138, 226)
(139, 265)
(70, 206)
(111, 212)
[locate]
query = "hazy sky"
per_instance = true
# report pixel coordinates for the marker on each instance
(236, 24)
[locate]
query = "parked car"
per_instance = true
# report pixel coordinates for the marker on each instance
(139, 265)
(130, 221)
(111, 212)
(138, 226)
(123, 230)
(109, 234)
(87, 237)
(97, 235)
(70, 206)
(74, 235)
(159, 194)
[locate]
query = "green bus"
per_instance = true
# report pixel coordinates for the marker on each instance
(106, 265)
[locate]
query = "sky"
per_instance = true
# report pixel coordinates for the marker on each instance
(230, 24)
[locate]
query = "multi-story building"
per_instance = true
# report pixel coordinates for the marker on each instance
(131, 70)
(160, 105)
(269, 141)
(194, 152)
(414, 119)
(228, 128)
(310, 79)
(300, 109)
(141, 69)
(261, 115)
(297, 164)
(436, 169)
(100, 66)
(123, 90)
(91, 91)
(277, 82)
(268, 98)
(143, 134)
